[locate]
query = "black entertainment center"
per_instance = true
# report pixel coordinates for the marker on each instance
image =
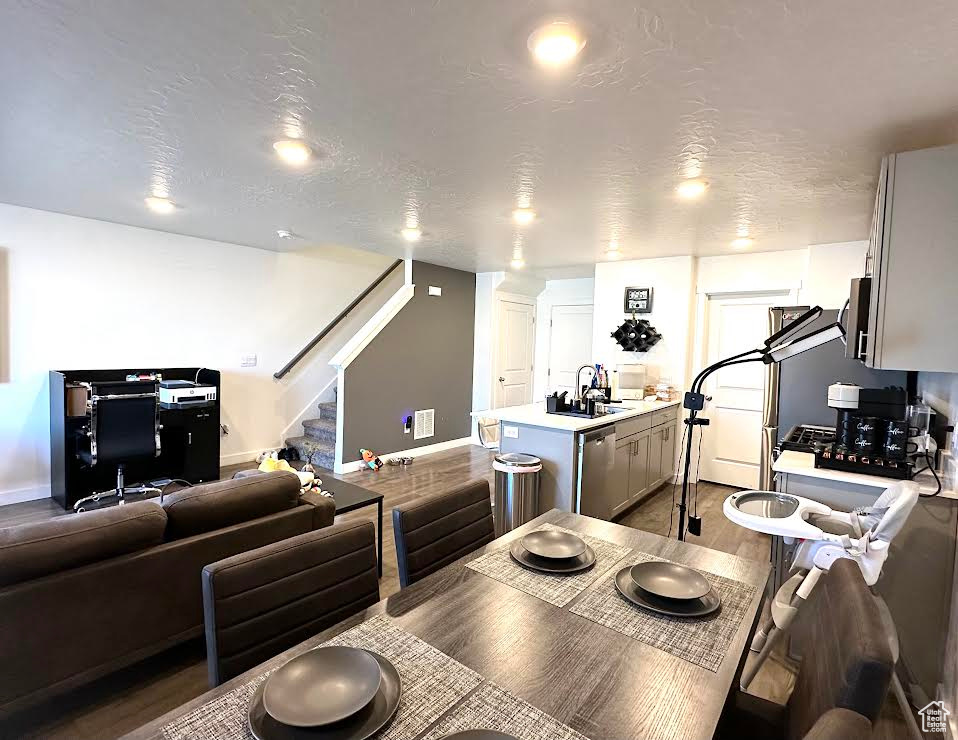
(189, 436)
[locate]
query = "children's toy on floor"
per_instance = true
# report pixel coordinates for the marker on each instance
(371, 459)
(306, 477)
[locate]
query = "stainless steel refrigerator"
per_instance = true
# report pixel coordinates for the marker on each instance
(796, 390)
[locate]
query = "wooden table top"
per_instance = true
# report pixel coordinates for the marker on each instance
(599, 682)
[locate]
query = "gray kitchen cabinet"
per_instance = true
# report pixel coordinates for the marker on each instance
(661, 454)
(656, 440)
(620, 476)
(912, 262)
(668, 454)
(639, 466)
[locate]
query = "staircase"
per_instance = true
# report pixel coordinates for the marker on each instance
(319, 437)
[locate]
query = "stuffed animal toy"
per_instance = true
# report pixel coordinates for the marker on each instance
(370, 458)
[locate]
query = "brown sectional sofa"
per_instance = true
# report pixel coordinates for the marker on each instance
(83, 595)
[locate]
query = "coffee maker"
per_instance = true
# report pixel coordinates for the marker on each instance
(871, 432)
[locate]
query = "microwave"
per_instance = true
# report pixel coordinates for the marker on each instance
(856, 327)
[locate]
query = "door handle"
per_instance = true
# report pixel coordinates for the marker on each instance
(501, 379)
(861, 342)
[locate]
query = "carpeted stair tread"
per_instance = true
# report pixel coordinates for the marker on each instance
(323, 430)
(325, 452)
(327, 410)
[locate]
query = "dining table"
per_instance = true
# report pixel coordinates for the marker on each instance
(562, 652)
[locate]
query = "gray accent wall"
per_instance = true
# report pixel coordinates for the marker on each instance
(422, 360)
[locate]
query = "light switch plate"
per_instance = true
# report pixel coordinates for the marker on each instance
(511, 432)
(248, 361)
(435, 290)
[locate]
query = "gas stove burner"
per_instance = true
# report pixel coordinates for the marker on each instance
(807, 438)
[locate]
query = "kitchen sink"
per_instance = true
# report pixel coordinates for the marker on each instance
(617, 410)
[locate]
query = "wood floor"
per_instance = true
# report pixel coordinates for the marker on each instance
(123, 701)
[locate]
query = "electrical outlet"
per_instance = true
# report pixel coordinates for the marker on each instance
(435, 290)
(511, 432)
(248, 361)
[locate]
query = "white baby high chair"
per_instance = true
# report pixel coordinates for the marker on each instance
(825, 535)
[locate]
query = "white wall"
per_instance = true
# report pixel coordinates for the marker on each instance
(488, 287)
(829, 270)
(819, 274)
(80, 293)
(570, 292)
(761, 271)
(672, 280)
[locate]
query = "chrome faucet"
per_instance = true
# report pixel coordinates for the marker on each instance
(578, 385)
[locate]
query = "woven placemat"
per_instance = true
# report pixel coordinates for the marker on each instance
(699, 640)
(432, 682)
(493, 708)
(558, 590)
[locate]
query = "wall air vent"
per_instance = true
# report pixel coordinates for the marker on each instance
(425, 425)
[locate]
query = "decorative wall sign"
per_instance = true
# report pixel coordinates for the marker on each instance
(638, 300)
(636, 335)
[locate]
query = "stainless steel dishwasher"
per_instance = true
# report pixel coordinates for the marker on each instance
(595, 491)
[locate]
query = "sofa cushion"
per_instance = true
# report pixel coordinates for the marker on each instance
(222, 504)
(30, 551)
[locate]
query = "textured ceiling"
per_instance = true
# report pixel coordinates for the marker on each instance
(434, 108)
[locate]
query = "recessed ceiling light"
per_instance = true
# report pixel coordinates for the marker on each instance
(292, 151)
(411, 233)
(523, 216)
(556, 44)
(518, 263)
(691, 188)
(160, 205)
(743, 242)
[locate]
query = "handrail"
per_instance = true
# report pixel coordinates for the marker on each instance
(332, 324)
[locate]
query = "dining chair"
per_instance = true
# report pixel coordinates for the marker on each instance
(847, 664)
(840, 724)
(435, 531)
(261, 602)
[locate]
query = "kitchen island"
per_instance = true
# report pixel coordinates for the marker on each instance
(597, 466)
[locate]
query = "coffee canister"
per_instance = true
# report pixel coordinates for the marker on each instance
(896, 437)
(847, 429)
(866, 435)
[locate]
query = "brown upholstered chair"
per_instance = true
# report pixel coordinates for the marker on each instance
(438, 530)
(847, 664)
(840, 724)
(259, 603)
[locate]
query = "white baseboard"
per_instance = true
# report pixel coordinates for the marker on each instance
(239, 457)
(415, 452)
(19, 495)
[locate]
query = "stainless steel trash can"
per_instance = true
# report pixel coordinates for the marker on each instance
(517, 490)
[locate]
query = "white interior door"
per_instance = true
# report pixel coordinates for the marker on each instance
(515, 350)
(570, 345)
(731, 444)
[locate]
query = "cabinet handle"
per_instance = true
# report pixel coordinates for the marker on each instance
(189, 438)
(861, 341)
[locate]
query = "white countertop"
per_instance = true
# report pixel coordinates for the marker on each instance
(803, 463)
(535, 415)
